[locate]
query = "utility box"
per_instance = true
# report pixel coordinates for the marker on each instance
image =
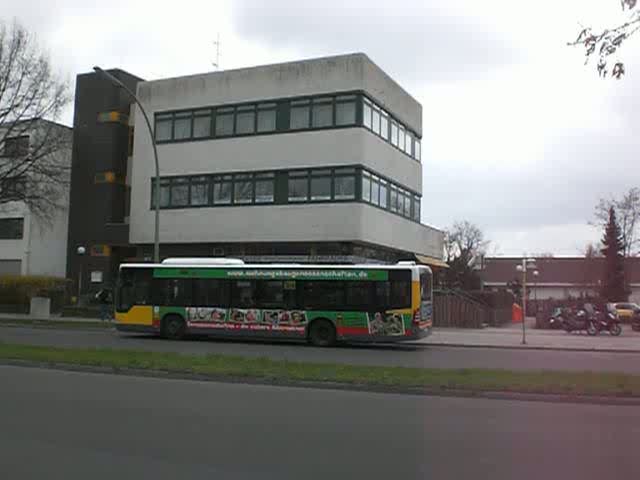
(40, 307)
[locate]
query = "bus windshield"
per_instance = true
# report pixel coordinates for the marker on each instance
(134, 288)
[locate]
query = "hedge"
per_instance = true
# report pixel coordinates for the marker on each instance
(16, 291)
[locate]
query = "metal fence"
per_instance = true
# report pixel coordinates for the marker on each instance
(456, 309)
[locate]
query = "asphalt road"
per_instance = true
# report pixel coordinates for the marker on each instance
(397, 355)
(71, 425)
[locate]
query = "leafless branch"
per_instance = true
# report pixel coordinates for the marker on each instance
(34, 150)
(607, 42)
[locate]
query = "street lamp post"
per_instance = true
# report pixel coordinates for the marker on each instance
(535, 288)
(527, 264)
(80, 251)
(156, 238)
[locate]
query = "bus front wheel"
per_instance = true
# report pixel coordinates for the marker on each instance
(322, 333)
(173, 327)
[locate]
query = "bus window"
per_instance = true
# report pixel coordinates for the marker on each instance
(134, 288)
(210, 292)
(382, 295)
(271, 294)
(395, 294)
(175, 292)
(400, 294)
(322, 295)
(425, 287)
(358, 295)
(243, 293)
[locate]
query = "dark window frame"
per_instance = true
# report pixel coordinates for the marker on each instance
(283, 108)
(280, 179)
(12, 228)
(16, 146)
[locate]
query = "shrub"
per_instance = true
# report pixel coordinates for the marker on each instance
(16, 291)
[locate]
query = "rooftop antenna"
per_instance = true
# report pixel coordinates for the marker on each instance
(216, 64)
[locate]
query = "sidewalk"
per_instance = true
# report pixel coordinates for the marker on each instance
(7, 317)
(510, 337)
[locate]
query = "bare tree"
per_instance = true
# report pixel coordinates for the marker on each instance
(607, 41)
(464, 246)
(34, 163)
(627, 209)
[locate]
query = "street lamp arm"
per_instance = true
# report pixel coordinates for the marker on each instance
(117, 82)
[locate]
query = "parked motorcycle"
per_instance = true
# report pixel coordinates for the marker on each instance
(581, 320)
(608, 321)
(556, 321)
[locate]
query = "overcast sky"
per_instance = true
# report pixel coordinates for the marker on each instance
(519, 136)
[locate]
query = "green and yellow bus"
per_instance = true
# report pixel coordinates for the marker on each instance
(318, 303)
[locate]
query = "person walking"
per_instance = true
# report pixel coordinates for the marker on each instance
(105, 300)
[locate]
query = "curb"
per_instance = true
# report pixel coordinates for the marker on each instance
(527, 347)
(76, 326)
(484, 394)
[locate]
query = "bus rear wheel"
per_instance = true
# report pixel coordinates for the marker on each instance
(322, 333)
(173, 327)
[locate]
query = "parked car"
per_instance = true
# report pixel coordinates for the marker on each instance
(626, 311)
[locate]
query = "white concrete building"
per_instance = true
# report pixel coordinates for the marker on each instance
(317, 158)
(30, 245)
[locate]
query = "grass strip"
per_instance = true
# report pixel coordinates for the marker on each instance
(550, 382)
(79, 324)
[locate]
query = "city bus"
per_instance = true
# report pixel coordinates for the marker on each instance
(322, 304)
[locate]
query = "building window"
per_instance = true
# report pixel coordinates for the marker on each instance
(384, 125)
(394, 133)
(324, 111)
(105, 177)
(416, 208)
(401, 137)
(265, 187)
(16, 146)
(163, 127)
(366, 186)
(224, 122)
(407, 204)
(199, 191)
(408, 143)
(344, 184)
(222, 190)
(299, 114)
(179, 192)
(165, 192)
(202, 124)
(242, 189)
(322, 114)
(313, 185)
(182, 126)
(383, 194)
(298, 186)
(346, 110)
(321, 185)
(366, 113)
(375, 122)
(11, 228)
(375, 190)
(245, 120)
(393, 198)
(266, 117)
